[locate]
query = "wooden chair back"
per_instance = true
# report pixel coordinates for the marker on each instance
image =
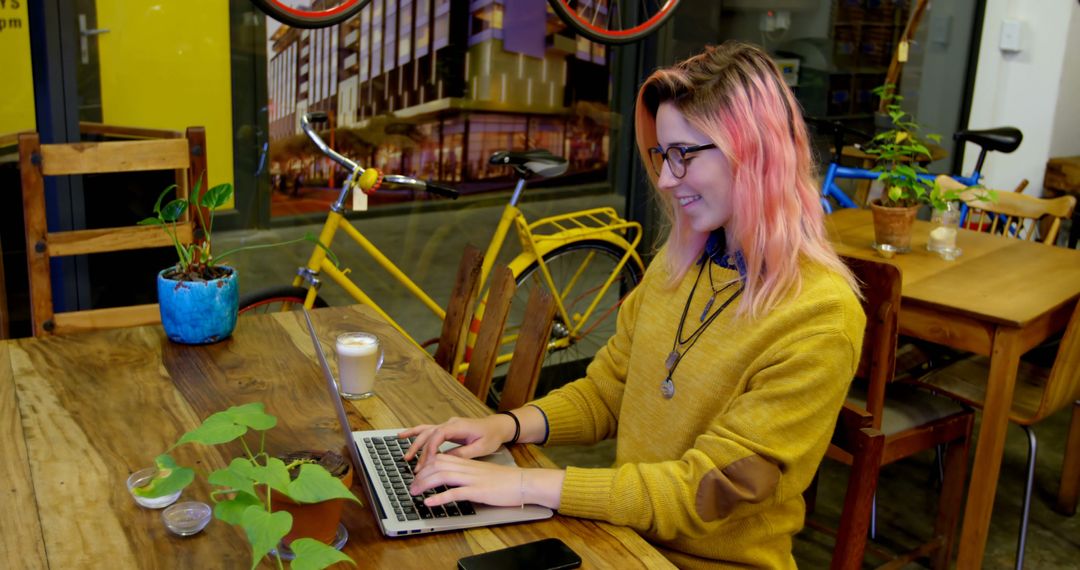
(451, 350)
(186, 156)
(1021, 216)
(529, 350)
(1063, 387)
(489, 338)
(881, 290)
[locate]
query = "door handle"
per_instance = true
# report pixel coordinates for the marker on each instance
(84, 35)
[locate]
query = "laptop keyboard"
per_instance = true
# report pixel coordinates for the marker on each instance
(395, 475)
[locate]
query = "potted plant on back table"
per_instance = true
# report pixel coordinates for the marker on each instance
(899, 154)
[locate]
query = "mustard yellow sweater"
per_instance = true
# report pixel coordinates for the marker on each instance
(714, 476)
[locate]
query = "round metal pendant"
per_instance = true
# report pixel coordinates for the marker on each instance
(667, 388)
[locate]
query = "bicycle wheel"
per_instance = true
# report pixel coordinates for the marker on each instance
(593, 262)
(614, 22)
(274, 299)
(304, 14)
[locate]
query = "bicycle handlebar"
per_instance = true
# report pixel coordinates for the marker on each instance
(319, 117)
(429, 187)
(306, 121)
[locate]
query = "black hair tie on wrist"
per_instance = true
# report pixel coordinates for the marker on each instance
(517, 427)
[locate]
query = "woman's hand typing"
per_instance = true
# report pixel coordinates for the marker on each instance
(476, 437)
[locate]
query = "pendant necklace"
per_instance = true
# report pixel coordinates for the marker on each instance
(667, 387)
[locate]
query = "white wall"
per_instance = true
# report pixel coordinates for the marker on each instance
(1034, 90)
(1066, 139)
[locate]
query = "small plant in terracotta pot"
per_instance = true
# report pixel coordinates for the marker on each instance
(257, 491)
(899, 154)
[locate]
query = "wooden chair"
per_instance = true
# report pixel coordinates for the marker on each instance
(1036, 397)
(1016, 215)
(912, 420)
(451, 349)
(187, 156)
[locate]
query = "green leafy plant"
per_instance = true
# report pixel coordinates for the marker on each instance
(243, 489)
(196, 261)
(898, 153)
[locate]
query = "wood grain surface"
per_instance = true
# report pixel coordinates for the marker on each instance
(93, 408)
(994, 279)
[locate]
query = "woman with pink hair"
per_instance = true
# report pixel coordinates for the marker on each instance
(731, 359)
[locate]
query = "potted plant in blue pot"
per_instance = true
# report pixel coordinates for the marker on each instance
(198, 297)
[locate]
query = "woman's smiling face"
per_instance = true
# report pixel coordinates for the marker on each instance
(703, 195)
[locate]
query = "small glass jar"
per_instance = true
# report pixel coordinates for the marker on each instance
(142, 478)
(943, 235)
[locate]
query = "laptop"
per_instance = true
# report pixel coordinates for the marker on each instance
(378, 453)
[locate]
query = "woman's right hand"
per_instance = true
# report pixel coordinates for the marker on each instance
(476, 437)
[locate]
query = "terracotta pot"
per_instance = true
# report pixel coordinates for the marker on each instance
(313, 520)
(892, 226)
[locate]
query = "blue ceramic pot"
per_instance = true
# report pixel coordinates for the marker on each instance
(198, 312)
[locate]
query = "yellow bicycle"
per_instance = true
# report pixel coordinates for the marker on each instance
(588, 258)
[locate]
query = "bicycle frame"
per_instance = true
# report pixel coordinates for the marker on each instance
(568, 228)
(835, 171)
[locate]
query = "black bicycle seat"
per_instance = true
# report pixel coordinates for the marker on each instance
(1002, 139)
(539, 162)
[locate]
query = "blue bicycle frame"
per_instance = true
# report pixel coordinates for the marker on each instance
(835, 171)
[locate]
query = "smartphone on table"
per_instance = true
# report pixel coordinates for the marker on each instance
(546, 554)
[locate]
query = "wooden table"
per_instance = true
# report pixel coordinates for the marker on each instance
(82, 412)
(1000, 298)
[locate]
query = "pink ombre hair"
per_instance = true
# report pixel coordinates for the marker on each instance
(735, 95)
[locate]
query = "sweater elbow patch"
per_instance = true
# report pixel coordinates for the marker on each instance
(751, 480)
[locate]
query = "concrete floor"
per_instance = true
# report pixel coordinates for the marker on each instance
(427, 246)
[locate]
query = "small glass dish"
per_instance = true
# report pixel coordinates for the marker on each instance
(187, 518)
(142, 478)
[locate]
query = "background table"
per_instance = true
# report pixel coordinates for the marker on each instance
(80, 413)
(1000, 298)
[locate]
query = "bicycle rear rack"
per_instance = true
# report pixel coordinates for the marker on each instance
(582, 224)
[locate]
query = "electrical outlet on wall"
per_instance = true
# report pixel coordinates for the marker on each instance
(1012, 36)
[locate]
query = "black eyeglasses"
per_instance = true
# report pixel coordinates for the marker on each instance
(676, 160)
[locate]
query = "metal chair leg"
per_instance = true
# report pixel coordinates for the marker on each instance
(873, 516)
(1033, 444)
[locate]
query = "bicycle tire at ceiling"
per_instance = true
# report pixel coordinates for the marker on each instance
(310, 19)
(613, 252)
(279, 294)
(614, 37)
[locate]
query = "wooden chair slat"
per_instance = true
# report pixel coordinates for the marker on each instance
(122, 156)
(80, 242)
(450, 351)
(489, 338)
(95, 319)
(530, 350)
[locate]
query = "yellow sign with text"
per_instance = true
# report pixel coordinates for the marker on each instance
(17, 97)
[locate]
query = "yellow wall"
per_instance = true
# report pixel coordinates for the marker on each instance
(165, 64)
(17, 95)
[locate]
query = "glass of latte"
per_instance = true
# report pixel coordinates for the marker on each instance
(359, 357)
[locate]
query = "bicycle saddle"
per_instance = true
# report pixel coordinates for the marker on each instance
(1003, 139)
(538, 161)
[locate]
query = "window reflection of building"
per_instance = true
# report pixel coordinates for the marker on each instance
(463, 78)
